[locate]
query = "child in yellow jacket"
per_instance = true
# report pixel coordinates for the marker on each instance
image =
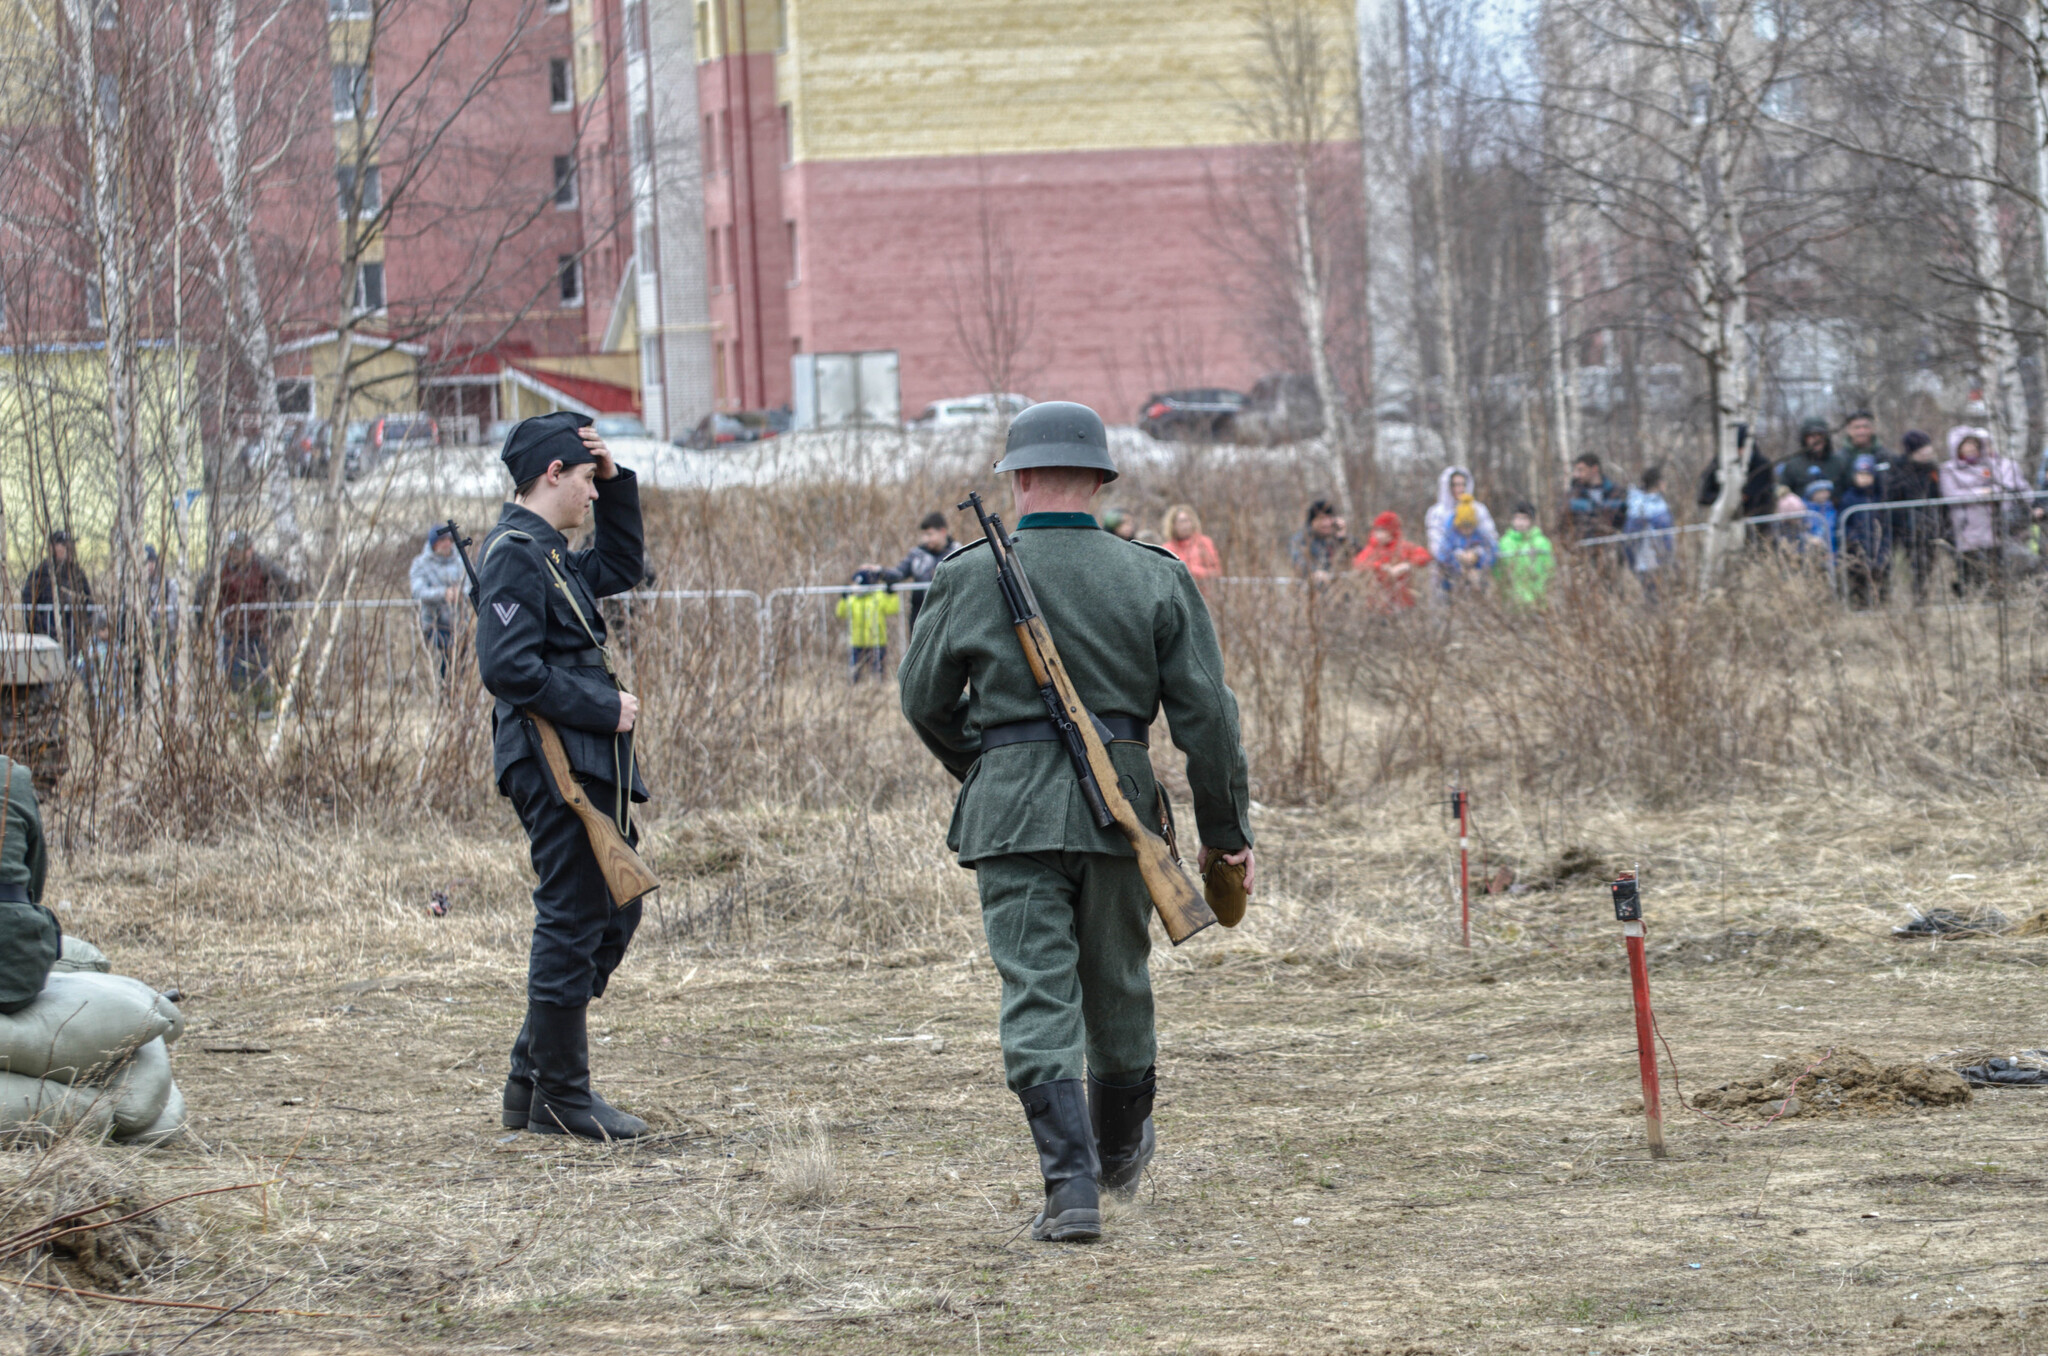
(867, 622)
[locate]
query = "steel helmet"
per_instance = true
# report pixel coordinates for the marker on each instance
(1057, 433)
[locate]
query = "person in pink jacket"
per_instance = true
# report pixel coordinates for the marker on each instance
(1181, 533)
(1974, 471)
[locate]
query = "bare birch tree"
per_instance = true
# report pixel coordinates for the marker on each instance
(1295, 213)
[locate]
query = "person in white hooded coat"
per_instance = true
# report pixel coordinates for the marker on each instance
(1438, 519)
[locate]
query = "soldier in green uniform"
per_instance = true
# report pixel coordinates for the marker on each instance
(1066, 914)
(30, 940)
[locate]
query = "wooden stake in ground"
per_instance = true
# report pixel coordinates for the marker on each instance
(1628, 911)
(1461, 806)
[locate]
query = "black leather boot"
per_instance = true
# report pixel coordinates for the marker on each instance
(1058, 1113)
(562, 1100)
(518, 1097)
(518, 1102)
(1124, 1139)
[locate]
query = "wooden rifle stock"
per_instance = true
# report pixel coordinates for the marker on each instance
(625, 875)
(1182, 910)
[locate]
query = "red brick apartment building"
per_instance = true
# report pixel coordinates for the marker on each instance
(855, 148)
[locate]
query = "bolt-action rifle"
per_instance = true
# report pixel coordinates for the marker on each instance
(625, 875)
(1181, 906)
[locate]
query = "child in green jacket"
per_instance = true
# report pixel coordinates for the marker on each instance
(1524, 564)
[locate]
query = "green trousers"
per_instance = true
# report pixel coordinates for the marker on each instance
(1069, 932)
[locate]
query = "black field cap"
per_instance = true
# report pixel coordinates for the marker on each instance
(535, 443)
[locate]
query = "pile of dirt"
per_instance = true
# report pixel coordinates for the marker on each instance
(2035, 926)
(66, 1189)
(1765, 947)
(1835, 1083)
(1575, 865)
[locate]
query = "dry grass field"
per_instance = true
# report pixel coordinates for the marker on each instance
(1373, 1140)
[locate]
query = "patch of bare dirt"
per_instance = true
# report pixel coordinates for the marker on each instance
(1759, 946)
(66, 1209)
(1836, 1083)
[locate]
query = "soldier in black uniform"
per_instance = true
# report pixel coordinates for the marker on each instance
(540, 649)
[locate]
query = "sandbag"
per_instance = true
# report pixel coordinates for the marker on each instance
(53, 1106)
(140, 1089)
(167, 1127)
(81, 1022)
(80, 954)
(162, 1004)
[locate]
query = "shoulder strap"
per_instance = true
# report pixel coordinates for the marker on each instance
(500, 535)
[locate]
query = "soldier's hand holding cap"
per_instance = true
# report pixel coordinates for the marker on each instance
(606, 467)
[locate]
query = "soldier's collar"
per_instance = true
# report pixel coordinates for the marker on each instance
(1056, 520)
(532, 524)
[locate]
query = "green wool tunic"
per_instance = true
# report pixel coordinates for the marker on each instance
(29, 937)
(1063, 906)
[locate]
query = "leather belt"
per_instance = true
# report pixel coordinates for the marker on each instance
(1123, 729)
(586, 658)
(13, 894)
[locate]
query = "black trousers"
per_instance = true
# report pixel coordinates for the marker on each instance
(578, 937)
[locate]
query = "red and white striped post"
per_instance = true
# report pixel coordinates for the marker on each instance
(1461, 805)
(1628, 911)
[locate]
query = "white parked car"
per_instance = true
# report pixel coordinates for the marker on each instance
(970, 411)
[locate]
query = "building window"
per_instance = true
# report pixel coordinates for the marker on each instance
(710, 144)
(789, 233)
(348, 9)
(711, 270)
(788, 135)
(355, 94)
(569, 276)
(650, 361)
(558, 6)
(561, 89)
(636, 34)
(95, 305)
(718, 382)
(369, 288)
(373, 192)
(565, 181)
(643, 140)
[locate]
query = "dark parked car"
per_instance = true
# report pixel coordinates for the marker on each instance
(1282, 408)
(743, 426)
(1192, 416)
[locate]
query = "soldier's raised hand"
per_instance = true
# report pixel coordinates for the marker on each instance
(606, 467)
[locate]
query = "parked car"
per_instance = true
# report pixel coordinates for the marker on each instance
(398, 432)
(736, 426)
(970, 411)
(1198, 415)
(1282, 408)
(619, 426)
